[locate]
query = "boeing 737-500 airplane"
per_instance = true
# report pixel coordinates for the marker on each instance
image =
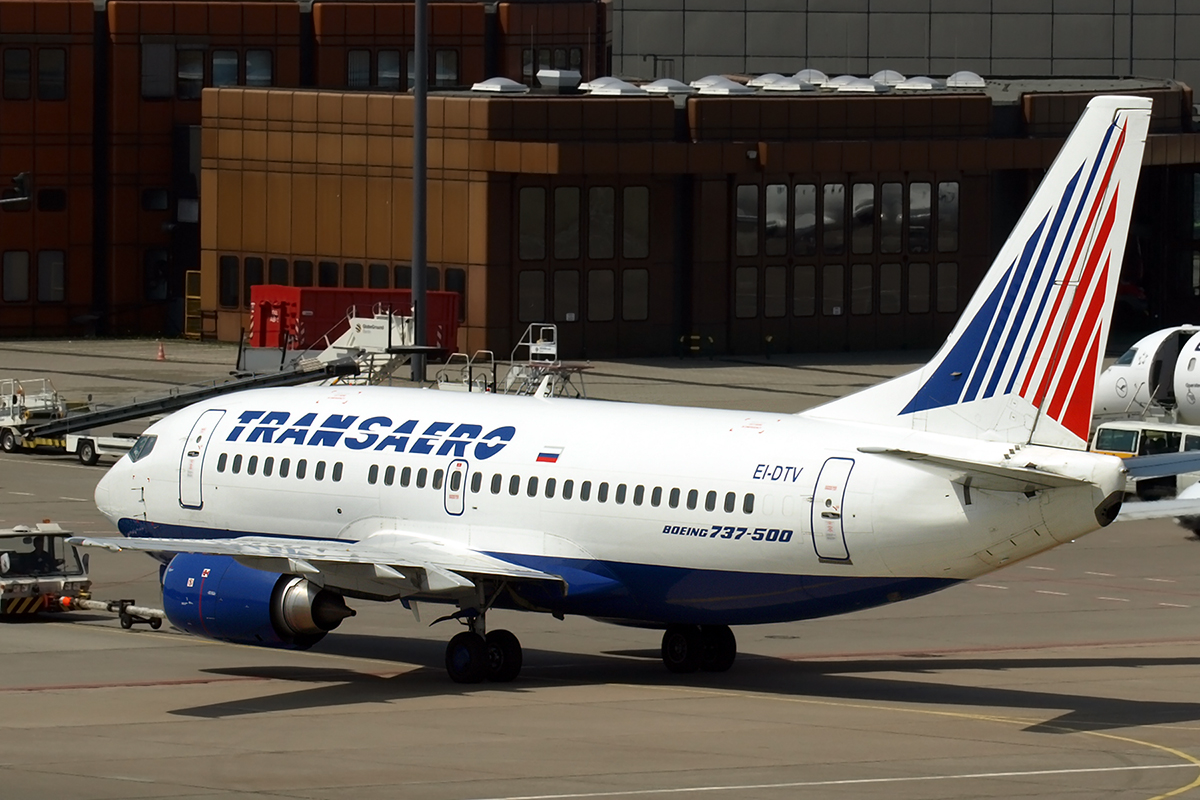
(271, 508)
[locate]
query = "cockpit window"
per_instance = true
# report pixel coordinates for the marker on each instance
(1127, 358)
(142, 447)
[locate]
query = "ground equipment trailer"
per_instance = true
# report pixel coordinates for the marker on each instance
(31, 403)
(38, 568)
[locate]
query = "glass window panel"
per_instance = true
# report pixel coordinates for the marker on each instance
(639, 493)
(833, 293)
(189, 78)
(804, 220)
(154, 265)
(259, 69)
(566, 295)
(730, 502)
(918, 288)
(776, 220)
(358, 69)
(252, 465)
(601, 221)
(774, 291)
(527, 62)
(889, 288)
(576, 56)
(476, 482)
(656, 497)
(16, 74)
(373, 474)
(51, 200)
(237, 465)
(636, 240)
(337, 471)
(600, 295)
(560, 58)
(746, 220)
(252, 275)
(227, 281)
(388, 67)
(862, 218)
(277, 271)
(635, 294)
(410, 64)
(284, 466)
(748, 505)
(566, 222)
(301, 468)
(891, 217)
(531, 296)
(804, 290)
(378, 276)
(947, 287)
(919, 217)
(550, 484)
(861, 288)
(446, 68)
(158, 65)
(225, 68)
(155, 199)
(16, 276)
(745, 292)
(568, 489)
(532, 486)
(269, 466)
(833, 225)
(948, 216)
(585, 490)
(52, 73)
(52, 274)
(532, 236)
(327, 274)
(405, 476)
(402, 275)
(352, 275)
(422, 476)
(1196, 206)
(432, 279)
(673, 498)
(710, 501)
(693, 496)
(302, 273)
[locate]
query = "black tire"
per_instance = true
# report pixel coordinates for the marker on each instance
(504, 656)
(466, 658)
(8, 440)
(155, 623)
(87, 453)
(718, 648)
(681, 648)
(126, 621)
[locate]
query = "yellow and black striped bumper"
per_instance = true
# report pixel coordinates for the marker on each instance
(23, 605)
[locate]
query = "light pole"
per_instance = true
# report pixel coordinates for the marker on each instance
(420, 85)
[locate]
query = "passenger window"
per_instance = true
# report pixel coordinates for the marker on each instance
(550, 487)
(373, 474)
(268, 465)
(284, 465)
(730, 502)
(585, 490)
(252, 465)
(1191, 442)
(237, 464)
(620, 493)
(639, 494)
(568, 489)
(476, 482)
(656, 497)
(337, 471)
(514, 485)
(497, 481)
(531, 489)
(673, 502)
(422, 477)
(602, 492)
(301, 468)
(710, 501)
(748, 504)
(455, 481)
(438, 475)
(221, 459)
(389, 476)
(319, 471)
(405, 475)
(693, 497)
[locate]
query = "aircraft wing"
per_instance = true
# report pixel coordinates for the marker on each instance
(982, 474)
(388, 564)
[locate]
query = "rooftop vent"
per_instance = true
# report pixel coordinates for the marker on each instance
(789, 85)
(610, 87)
(840, 80)
(863, 86)
(763, 81)
(502, 85)
(668, 86)
(707, 80)
(965, 79)
(813, 76)
(563, 81)
(724, 86)
(888, 77)
(920, 83)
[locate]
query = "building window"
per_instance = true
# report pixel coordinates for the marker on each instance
(635, 295)
(225, 68)
(774, 292)
(775, 234)
(158, 65)
(16, 74)
(445, 71)
(947, 287)
(411, 64)
(16, 276)
(566, 295)
(560, 58)
(327, 274)
(402, 275)
(227, 281)
(154, 266)
(861, 289)
(919, 217)
(947, 217)
(636, 241)
(804, 220)
(252, 273)
(745, 292)
(352, 275)
(575, 54)
(833, 227)
(52, 74)
(358, 69)
(862, 219)
(302, 273)
(891, 217)
(189, 75)
(832, 290)
(600, 295)
(277, 271)
(746, 222)
(378, 276)
(804, 290)
(601, 221)
(456, 281)
(531, 296)
(531, 242)
(433, 279)
(566, 222)
(155, 199)
(918, 288)
(388, 67)
(259, 69)
(52, 276)
(889, 288)
(51, 200)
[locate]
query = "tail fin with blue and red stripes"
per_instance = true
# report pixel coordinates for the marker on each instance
(1022, 362)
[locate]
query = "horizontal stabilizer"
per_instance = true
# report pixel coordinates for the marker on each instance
(1163, 465)
(1160, 509)
(982, 474)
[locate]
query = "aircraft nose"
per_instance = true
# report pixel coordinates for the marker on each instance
(103, 496)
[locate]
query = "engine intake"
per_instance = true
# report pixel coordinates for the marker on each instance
(218, 598)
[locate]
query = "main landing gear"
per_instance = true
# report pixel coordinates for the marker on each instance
(687, 648)
(477, 654)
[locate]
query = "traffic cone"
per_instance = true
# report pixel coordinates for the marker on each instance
(162, 353)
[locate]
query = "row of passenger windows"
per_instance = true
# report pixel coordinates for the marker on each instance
(285, 467)
(51, 73)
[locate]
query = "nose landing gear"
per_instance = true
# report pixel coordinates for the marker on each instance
(687, 648)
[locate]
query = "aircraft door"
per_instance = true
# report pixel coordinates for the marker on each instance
(191, 462)
(456, 487)
(829, 537)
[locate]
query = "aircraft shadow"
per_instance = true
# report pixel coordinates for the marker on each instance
(859, 680)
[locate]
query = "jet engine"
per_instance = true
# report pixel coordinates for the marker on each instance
(218, 598)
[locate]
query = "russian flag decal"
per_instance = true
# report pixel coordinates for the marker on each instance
(549, 455)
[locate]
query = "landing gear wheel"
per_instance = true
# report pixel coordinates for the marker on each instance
(466, 658)
(8, 440)
(87, 453)
(718, 648)
(504, 656)
(681, 648)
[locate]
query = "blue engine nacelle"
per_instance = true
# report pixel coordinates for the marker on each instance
(218, 598)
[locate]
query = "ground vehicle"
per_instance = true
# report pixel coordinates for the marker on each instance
(1127, 438)
(37, 568)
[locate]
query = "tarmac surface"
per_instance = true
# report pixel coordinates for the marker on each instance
(1072, 674)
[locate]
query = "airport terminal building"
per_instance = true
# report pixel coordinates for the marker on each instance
(274, 146)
